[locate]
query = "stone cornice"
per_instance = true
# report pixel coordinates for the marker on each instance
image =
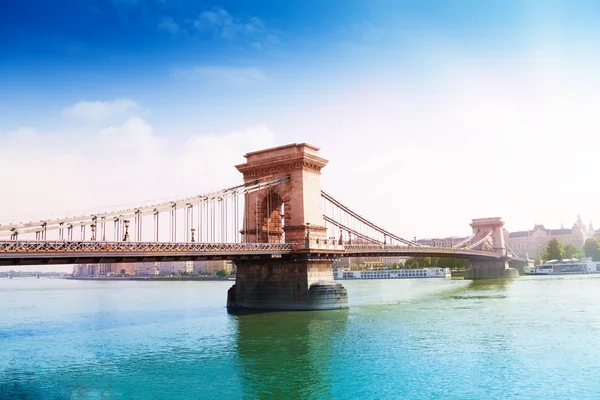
(281, 165)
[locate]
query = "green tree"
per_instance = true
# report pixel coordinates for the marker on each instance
(418, 262)
(591, 248)
(572, 251)
(555, 250)
(221, 272)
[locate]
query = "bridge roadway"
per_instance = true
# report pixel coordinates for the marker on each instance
(16, 252)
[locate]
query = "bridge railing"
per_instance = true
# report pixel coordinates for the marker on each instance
(358, 246)
(372, 247)
(29, 247)
(320, 244)
(14, 246)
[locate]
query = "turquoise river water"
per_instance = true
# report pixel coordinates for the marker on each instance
(528, 338)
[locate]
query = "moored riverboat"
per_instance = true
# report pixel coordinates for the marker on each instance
(393, 273)
(565, 267)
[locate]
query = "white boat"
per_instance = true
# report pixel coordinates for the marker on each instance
(565, 267)
(393, 273)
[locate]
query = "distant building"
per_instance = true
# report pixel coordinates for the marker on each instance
(124, 268)
(212, 266)
(91, 270)
(103, 269)
(153, 268)
(533, 243)
(189, 267)
(171, 267)
(147, 268)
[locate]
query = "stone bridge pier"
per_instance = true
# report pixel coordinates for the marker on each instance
(490, 269)
(289, 211)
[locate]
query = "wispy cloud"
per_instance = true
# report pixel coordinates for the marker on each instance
(251, 30)
(229, 75)
(169, 25)
(128, 156)
(101, 111)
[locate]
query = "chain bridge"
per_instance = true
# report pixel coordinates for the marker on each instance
(279, 227)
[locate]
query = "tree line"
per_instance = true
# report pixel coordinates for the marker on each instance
(557, 251)
(424, 262)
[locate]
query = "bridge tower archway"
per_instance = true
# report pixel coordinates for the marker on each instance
(271, 217)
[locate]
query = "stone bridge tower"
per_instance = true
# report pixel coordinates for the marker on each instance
(297, 199)
(289, 211)
(493, 226)
(490, 269)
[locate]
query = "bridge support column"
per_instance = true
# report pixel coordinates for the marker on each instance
(279, 284)
(490, 270)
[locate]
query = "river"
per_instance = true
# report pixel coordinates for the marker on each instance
(528, 338)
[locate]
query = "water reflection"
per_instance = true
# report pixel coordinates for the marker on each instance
(481, 289)
(288, 354)
(489, 284)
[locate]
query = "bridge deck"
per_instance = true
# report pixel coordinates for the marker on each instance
(64, 252)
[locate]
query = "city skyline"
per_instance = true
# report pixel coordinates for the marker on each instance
(430, 115)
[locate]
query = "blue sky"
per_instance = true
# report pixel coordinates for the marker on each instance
(400, 95)
(86, 50)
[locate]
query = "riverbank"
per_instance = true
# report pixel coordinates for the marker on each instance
(151, 278)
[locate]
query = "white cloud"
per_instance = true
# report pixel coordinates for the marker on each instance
(169, 25)
(221, 74)
(60, 173)
(101, 111)
(251, 30)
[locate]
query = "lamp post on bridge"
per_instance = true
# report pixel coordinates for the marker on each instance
(126, 237)
(193, 238)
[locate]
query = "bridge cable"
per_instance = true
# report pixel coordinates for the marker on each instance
(462, 243)
(368, 224)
